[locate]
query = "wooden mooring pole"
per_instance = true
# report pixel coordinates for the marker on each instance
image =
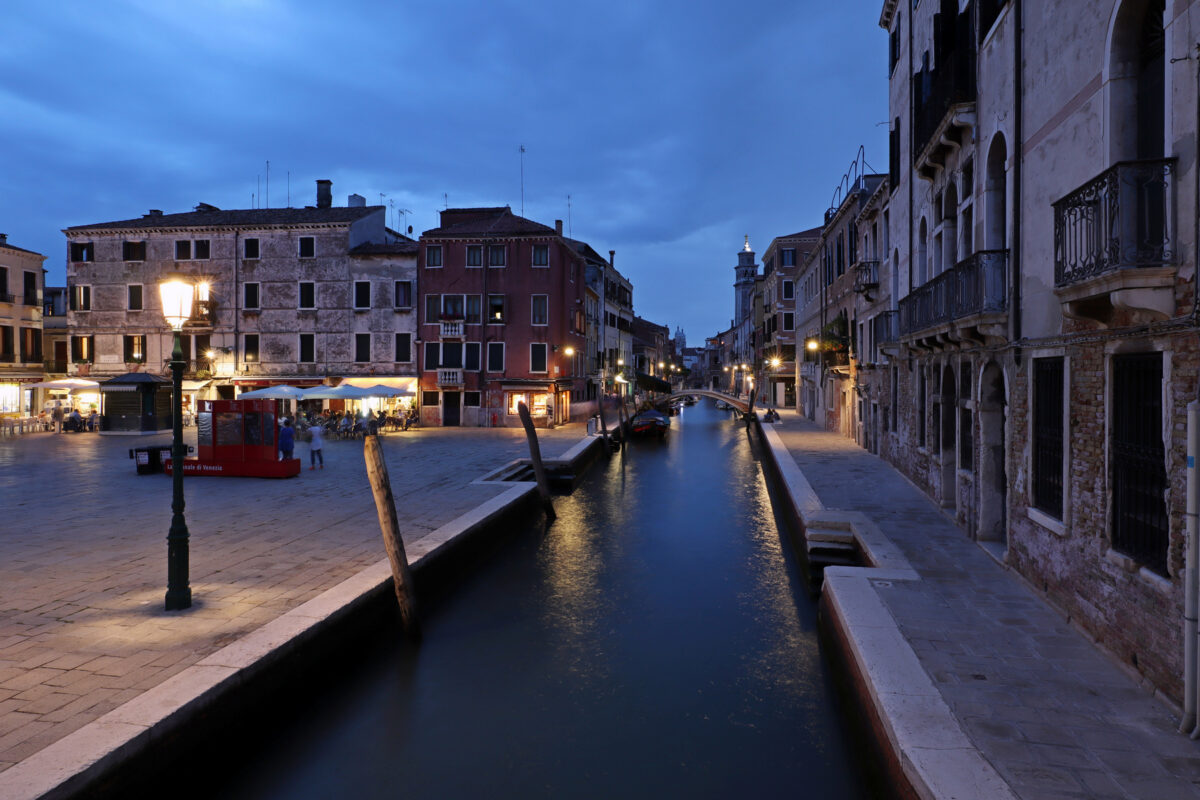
(603, 424)
(535, 455)
(389, 525)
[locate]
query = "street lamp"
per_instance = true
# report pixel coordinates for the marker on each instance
(177, 294)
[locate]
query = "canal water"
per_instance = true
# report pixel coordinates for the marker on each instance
(656, 640)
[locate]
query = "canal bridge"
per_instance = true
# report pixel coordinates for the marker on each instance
(741, 405)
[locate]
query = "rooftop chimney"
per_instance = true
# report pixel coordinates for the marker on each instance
(612, 254)
(356, 201)
(3, 238)
(155, 212)
(558, 226)
(324, 193)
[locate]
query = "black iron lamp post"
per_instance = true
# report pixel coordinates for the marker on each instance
(177, 293)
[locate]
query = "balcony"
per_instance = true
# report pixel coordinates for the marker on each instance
(1114, 244)
(866, 278)
(968, 301)
(450, 377)
(452, 330)
(943, 103)
(58, 367)
(885, 327)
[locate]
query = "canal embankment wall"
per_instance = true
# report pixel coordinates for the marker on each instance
(924, 750)
(114, 755)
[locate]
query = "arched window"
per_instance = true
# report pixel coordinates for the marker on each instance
(950, 227)
(1136, 82)
(922, 265)
(995, 189)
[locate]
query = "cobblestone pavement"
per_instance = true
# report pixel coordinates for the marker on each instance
(83, 556)
(1055, 716)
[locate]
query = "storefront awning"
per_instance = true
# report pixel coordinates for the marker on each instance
(195, 386)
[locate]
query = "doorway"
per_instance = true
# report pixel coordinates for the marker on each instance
(993, 478)
(451, 409)
(946, 432)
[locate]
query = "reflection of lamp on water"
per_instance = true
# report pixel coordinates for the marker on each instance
(177, 295)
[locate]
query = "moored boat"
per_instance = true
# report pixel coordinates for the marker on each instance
(650, 423)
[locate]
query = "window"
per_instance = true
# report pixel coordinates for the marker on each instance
(403, 294)
(452, 355)
(429, 398)
(789, 290)
(921, 409)
(474, 310)
(789, 321)
(1137, 460)
(308, 247)
(537, 357)
(495, 357)
(452, 306)
(433, 256)
(81, 298)
(433, 308)
(31, 345)
(474, 255)
(894, 46)
(404, 348)
(308, 348)
(1048, 435)
(496, 255)
(134, 297)
(133, 251)
(471, 399)
(250, 347)
(183, 250)
(789, 257)
(250, 296)
(81, 349)
(966, 430)
(6, 344)
(250, 249)
(541, 255)
(4, 298)
(362, 347)
(496, 309)
(539, 311)
(135, 349)
(308, 294)
(433, 355)
(471, 356)
(362, 295)
(515, 399)
(200, 249)
(31, 296)
(83, 251)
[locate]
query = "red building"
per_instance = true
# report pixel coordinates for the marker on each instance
(501, 320)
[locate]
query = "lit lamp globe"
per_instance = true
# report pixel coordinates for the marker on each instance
(812, 345)
(176, 294)
(775, 363)
(569, 351)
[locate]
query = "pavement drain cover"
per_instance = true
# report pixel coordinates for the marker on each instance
(979, 677)
(882, 584)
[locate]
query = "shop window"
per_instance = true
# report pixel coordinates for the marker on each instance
(515, 399)
(541, 405)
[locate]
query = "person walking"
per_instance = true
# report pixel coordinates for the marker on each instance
(287, 440)
(57, 416)
(316, 447)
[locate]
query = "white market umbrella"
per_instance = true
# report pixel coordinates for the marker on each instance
(281, 392)
(67, 383)
(335, 393)
(379, 390)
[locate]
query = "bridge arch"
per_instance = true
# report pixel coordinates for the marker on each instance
(741, 405)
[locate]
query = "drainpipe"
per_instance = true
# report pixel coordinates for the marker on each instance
(1014, 255)
(1191, 598)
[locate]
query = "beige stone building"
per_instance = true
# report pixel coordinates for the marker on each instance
(1042, 228)
(21, 284)
(297, 295)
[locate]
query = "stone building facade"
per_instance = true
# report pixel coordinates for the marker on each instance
(781, 263)
(297, 295)
(1041, 228)
(21, 285)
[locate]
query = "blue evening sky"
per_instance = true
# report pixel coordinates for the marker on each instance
(675, 127)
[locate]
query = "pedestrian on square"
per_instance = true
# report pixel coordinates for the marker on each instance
(287, 440)
(57, 416)
(316, 447)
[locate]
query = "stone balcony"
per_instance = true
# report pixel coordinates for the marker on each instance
(966, 303)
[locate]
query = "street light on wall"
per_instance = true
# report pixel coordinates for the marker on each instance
(177, 295)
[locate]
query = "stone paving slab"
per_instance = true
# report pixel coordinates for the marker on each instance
(1045, 708)
(83, 557)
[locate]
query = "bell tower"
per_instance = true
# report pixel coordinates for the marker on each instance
(743, 287)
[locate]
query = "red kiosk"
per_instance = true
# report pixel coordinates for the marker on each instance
(237, 438)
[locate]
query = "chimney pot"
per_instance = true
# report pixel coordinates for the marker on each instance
(3, 238)
(356, 201)
(324, 193)
(558, 226)
(612, 254)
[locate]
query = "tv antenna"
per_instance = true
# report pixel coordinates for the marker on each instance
(569, 233)
(521, 150)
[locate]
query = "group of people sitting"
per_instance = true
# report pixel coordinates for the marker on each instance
(73, 421)
(346, 425)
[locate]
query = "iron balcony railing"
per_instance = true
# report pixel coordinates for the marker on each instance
(866, 276)
(1123, 218)
(976, 285)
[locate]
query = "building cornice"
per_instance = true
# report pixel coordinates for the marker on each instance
(888, 13)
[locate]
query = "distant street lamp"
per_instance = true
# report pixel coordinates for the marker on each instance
(177, 294)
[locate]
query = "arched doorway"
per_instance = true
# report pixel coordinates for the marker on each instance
(996, 196)
(993, 477)
(946, 434)
(1137, 82)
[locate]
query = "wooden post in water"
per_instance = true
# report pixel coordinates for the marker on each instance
(603, 424)
(385, 505)
(535, 455)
